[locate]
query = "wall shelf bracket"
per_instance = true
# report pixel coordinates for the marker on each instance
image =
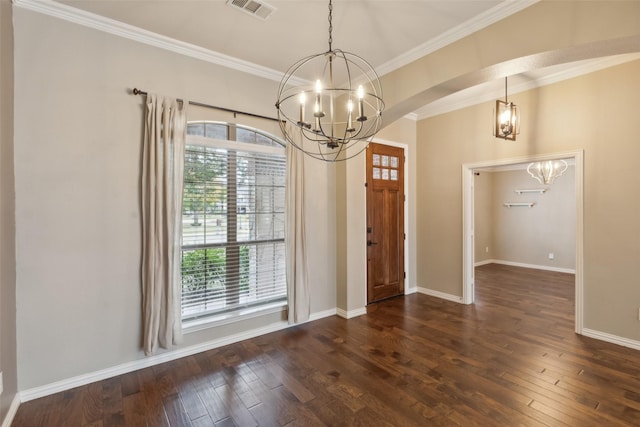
(511, 205)
(531, 190)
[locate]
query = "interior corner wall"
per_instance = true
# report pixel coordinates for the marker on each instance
(524, 235)
(8, 351)
(78, 134)
(593, 113)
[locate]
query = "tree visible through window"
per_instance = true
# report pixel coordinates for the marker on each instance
(233, 219)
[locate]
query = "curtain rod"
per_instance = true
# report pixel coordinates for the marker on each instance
(137, 91)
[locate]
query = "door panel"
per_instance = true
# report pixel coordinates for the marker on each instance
(385, 222)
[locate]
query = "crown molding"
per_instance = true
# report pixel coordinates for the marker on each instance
(111, 26)
(491, 16)
(459, 101)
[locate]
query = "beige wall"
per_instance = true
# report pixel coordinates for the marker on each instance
(77, 136)
(595, 113)
(77, 164)
(546, 33)
(351, 254)
(8, 362)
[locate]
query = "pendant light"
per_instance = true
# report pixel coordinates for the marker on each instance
(506, 118)
(330, 104)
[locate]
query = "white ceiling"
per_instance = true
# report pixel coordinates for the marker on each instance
(379, 31)
(387, 33)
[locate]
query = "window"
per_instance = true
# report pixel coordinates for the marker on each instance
(232, 220)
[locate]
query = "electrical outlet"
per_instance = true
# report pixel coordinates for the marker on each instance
(1, 384)
(638, 319)
(551, 255)
(486, 249)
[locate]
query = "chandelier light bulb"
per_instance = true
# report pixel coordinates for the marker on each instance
(350, 127)
(318, 110)
(303, 100)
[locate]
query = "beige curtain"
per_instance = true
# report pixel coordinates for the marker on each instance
(296, 252)
(162, 175)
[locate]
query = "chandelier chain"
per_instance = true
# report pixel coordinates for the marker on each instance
(330, 25)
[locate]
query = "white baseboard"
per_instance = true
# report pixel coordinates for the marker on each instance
(322, 314)
(11, 413)
(351, 313)
(524, 265)
(409, 291)
(80, 380)
(439, 294)
(614, 339)
(124, 368)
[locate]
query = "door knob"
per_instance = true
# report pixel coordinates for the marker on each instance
(370, 243)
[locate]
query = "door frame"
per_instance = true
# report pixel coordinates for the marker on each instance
(407, 203)
(468, 224)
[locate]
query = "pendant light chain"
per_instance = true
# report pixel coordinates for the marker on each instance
(330, 26)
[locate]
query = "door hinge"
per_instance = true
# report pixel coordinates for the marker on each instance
(365, 184)
(405, 236)
(405, 275)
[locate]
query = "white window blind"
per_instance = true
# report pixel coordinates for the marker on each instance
(233, 220)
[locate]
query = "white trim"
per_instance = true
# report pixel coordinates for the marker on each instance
(11, 413)
(80, 380)
(477, 23)
(614, 339)
(468, 220)
(117, 28)
(322, 314)
(569, 71)
(468, 236)
(111, 26)
(206, 322)
(438, 294)
(227, 144)
(497, 13)
(351, 313)
(524, 265)
(410, 290)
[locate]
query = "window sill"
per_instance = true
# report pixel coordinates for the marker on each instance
(194, 325)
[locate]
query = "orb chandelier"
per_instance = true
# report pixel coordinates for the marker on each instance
(546, 172)
(507, 118)
(330, 104)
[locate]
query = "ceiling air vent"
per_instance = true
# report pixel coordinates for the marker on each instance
(259, 9)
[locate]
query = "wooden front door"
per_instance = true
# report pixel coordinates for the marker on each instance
(385, 222)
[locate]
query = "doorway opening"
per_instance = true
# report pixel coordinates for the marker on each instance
(468, 258)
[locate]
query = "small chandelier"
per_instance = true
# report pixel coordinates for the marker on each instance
(333, 117)
(546, 172)
(506, 118)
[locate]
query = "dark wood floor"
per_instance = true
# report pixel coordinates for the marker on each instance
(512, 359)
